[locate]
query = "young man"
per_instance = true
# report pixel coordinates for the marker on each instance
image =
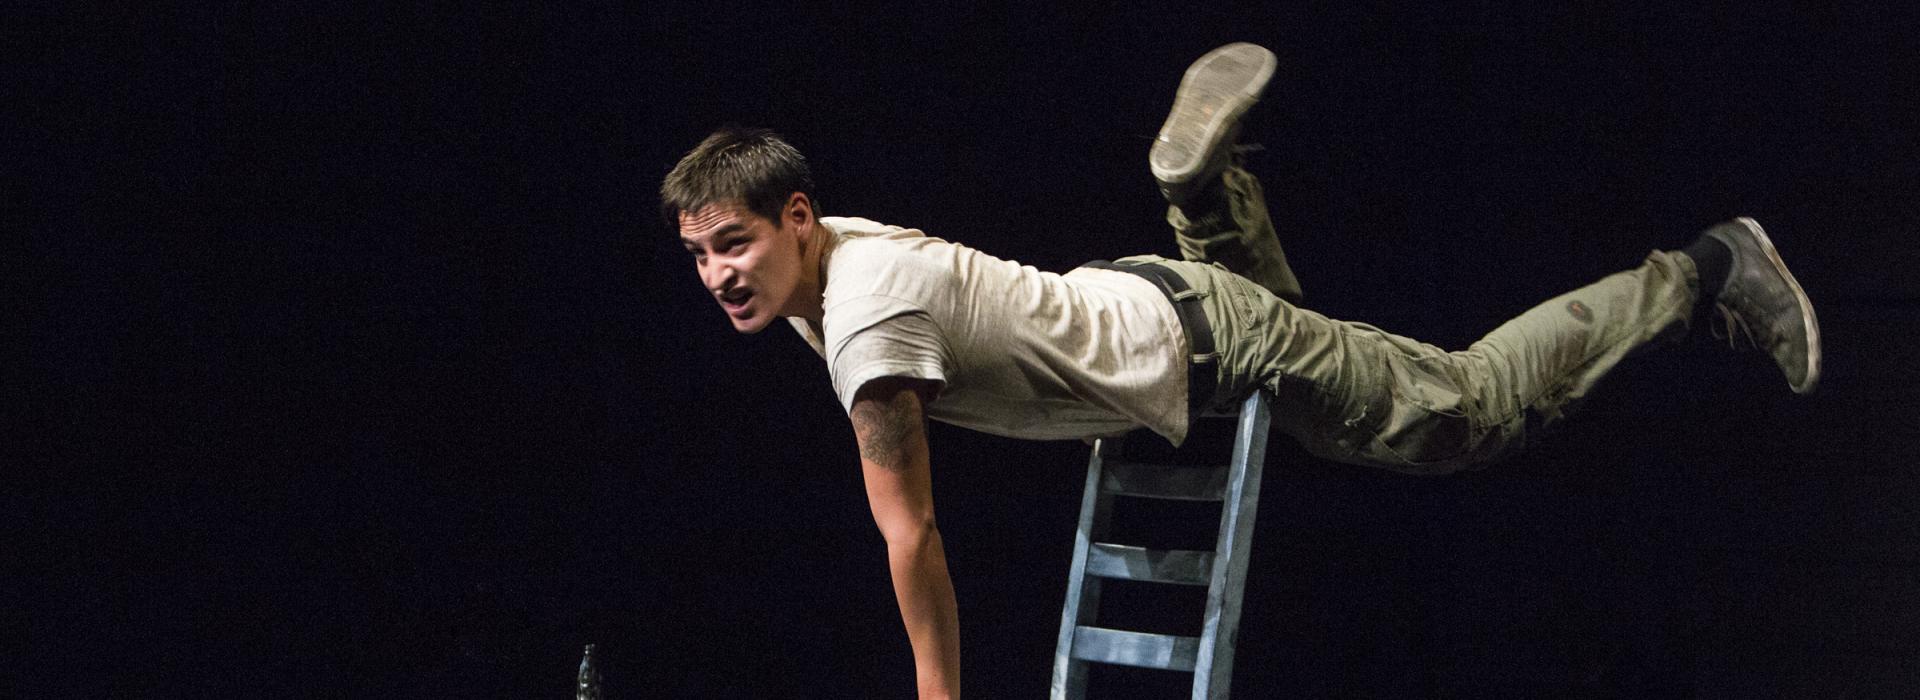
(913, 327)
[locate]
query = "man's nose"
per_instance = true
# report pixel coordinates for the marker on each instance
(718, 278)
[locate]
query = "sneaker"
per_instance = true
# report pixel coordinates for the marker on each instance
(1194, 142)
(1764, 304)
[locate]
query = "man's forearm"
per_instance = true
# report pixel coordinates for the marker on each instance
(891, 428)
(925, 592)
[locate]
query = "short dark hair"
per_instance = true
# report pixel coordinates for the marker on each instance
(753, 167)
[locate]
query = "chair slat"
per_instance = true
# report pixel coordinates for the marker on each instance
(1176, 483)
(1109, 646)
(1181, 566)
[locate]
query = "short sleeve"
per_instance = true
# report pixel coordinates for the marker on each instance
(876, 336)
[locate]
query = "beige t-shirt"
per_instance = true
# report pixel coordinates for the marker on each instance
(1018, 352)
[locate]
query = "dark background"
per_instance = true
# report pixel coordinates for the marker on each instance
(358, 362)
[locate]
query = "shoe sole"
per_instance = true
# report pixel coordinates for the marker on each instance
(1807, 318)
(1215, 92)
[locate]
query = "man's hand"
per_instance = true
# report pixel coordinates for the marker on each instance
(889, 422)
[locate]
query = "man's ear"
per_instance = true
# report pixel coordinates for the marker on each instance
(799, 214)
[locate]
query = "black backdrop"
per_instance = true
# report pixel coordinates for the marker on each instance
(358, 363)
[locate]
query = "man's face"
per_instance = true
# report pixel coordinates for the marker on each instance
(752, 266)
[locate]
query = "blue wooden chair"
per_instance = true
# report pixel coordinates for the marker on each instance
(1223, 571)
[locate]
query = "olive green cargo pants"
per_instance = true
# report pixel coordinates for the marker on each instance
(1354, 393)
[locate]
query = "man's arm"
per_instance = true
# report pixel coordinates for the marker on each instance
(889, 423)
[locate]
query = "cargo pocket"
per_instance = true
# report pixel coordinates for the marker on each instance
(1427, 427)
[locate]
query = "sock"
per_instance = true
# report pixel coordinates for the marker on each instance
(1209, 198)
(1712, 259)
(1205, 206)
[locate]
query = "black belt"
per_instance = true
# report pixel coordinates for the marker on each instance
(1201, 363)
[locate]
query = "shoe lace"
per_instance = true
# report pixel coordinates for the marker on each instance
(1735, 328)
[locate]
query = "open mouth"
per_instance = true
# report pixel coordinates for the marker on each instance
(735, 302)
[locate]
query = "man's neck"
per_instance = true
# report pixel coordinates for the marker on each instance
(816, 255)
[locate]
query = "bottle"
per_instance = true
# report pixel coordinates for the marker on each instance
(587, 684)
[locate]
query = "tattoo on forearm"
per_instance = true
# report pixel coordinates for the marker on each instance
(883, 429)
